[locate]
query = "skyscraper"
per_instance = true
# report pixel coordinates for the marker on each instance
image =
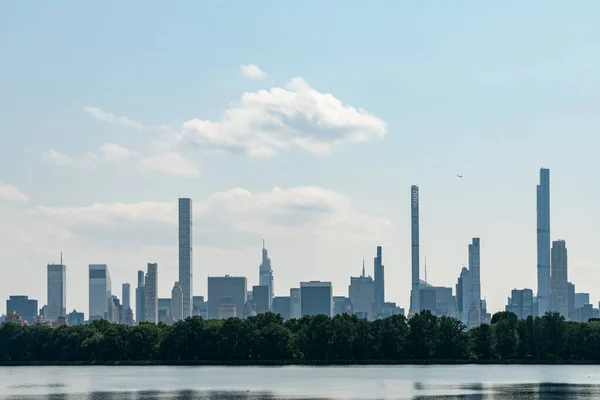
(415, 306)
(543, 241)
(316, 298)
(186, 264)
(25, 307)
(226, 288)
(464, 294)
(475, 271)
(379, 278)
(559, 282)
(296, 300)
(362, 294)
(140, 298)
(151, 294)
(266, 274)
(177, 302)
(126, 296)
(99, 291)
(57, 292)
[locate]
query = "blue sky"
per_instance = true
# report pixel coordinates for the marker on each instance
(109, 112)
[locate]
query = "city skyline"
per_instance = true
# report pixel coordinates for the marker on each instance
(304, 136)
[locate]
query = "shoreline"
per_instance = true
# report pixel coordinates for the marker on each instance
(284, 363)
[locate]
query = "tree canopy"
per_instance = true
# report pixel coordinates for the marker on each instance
(344, 338)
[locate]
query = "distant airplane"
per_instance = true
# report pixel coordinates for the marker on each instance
(460, 176)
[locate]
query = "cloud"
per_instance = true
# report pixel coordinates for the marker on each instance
(102, 115)
(169, 163)
(266, 122)
(10, 193)
(113, 152)
(110, 152)
(253, 71)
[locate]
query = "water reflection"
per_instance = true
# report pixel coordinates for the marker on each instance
(545, 391)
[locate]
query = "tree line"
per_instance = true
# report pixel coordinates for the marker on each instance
(344, 338)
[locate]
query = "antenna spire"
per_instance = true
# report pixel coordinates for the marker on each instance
(263, 244)
(61, 258)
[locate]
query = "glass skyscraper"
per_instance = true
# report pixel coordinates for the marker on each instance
(186, 255)
(543, 241)
(57, 294)
(99, 291)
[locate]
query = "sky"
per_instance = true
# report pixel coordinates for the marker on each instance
(300, 123)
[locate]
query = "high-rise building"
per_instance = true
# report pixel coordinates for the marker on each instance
(296, 300)
(57, 292)
(475, 272)
(464, 295)
(24, 307)
(260, 297)
(126, 296)
(362, 295)
(559, 282)
(520, 302)
(283, 305)
(438, 300)
(571, 300)
(164, 310)
(177, 302)
(316, 298)
(75, 318)
(342, 305)
(140, 298)
(186, 265)
(226, 287)
(100, 290)
(543, 241)
(581, 299)
(379, 280)
(200, 307)
(266, 275)
(151, 294)
(414, 233)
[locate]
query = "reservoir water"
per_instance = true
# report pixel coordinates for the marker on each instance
(253, 383)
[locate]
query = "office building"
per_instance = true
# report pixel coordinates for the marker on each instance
(151, 294)
(23, 306)
(186, 265)
(543, 241)
(177, 302)
(261, 298)
(475, 272)
(200, 307)
(342, 305)
(379, 280)
(266, 275)
(100, 290)
(464, 295)
(581, 299)
(296, 300)
(229, 287)
(559, 283)
(227, 308)
(127, 317)
(140, 298)
(75, 318)
(414, 233)
(114, 308)
(283, 306)
(362, 295)
(571, 300)
(316, 298)
(521, 303)
(164, 310)
(438, 300)
(57, 292)
(126, 296)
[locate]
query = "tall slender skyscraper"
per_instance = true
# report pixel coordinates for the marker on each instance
(151, 294)
(266, 274)
(475, 273)
(57, 292)
(140, 298)
(559, 281)
(415, 306)
(126, 296)
(543, 241)
(379, 278)
(186, 274)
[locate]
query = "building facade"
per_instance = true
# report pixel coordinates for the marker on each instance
(266, 275)
(521, 303)
(24, 307)
(379, 280)
(151, 294)
(229, 287)
(261, 299)
(475, 272)
(316, 298)
(57, 292)
(414, 234)
(543, 241)
(140, 298)
(362, 295)
(559, 281)
(126, 296)
(283, 306)
(177, 302)
(100, 290)
(186, 265)
(296, 303)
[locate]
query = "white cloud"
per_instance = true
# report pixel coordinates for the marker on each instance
(102, 115)
(253, 71)
(115, 153)
(64, 160)
(12, 194)
(267, 122)
(110, 152)
(169, 163)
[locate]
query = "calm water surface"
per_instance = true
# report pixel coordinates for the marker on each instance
(283, 383)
